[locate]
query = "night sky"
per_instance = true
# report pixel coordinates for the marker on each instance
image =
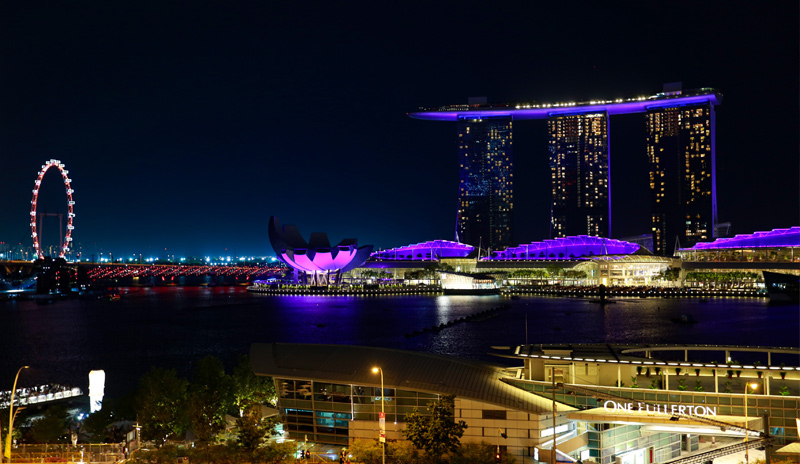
(186, 125)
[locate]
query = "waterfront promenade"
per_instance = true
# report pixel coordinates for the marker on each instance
(541, 290)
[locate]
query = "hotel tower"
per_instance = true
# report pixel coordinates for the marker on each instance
(680, 149)
(485, 190)
(578, 148)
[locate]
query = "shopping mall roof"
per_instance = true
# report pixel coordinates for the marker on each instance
(775, 238)
(425, 372)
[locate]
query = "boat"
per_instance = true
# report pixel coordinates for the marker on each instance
(471, 291)
(782, 288)
(461, 283)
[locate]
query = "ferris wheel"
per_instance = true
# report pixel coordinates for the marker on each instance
(66, 242)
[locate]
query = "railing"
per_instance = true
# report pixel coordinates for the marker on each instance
(40, 394)
(89, 453)
(709, 456)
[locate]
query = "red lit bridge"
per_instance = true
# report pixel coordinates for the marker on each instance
(120, 271)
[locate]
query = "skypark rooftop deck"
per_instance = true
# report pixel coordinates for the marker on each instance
(546, 110)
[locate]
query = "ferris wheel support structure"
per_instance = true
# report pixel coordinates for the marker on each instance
(67, 241)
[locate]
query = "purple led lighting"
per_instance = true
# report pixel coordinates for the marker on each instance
(775, 238)
(627, 107)
(430, 250)
(576, 247)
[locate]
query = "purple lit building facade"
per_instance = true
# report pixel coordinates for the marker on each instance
(680, 147)
(426, 251)
(578, 147)
(578, 247)
(486, 187)
(683, 194)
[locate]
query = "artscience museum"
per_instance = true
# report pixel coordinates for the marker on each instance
(315, 261)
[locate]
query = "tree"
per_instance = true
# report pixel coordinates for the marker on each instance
(275, 452)
(209, 399)
(161, 405)
(366, 451)
(96, 425)
(402, 452)
(437, 433)
(253, 429)
(249, 388)
(479, 453)
(52, 427)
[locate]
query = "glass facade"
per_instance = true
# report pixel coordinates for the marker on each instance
(579, 170)
(781, 410)
(680, 151)
(486, 186)
(322, 411)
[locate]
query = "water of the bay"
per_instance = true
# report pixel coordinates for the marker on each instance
(172, 327)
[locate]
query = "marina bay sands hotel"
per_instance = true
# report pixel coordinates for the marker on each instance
(679, 130)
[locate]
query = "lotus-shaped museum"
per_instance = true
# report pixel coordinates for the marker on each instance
(320, 262)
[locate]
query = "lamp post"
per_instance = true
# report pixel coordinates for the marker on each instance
(500, 434)
(7, 451)
(747, 386)
(382, 440)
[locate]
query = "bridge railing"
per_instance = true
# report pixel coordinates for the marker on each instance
(38, 395)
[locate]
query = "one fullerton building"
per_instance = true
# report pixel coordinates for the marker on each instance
(602, 403)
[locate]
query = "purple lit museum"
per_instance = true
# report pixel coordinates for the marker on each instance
(680, 148)
(319, 263)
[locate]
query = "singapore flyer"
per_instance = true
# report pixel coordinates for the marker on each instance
(66, 242)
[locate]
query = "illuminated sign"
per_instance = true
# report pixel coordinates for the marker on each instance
(664, 409)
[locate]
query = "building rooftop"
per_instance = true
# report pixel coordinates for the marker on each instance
(546, 110)
(416, 371)
(775, 238)
(638, 354)
(426, 251)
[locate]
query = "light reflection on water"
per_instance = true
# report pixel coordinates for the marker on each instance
(172, 327)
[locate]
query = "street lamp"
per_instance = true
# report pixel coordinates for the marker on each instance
(747, 386)
(11, 414)
(501, 434)
(382, 440)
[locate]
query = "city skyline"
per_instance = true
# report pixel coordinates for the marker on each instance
(185, 128)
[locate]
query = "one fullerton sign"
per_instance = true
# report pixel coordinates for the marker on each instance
(663, 409)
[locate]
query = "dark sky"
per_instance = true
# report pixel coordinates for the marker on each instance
(185, 125)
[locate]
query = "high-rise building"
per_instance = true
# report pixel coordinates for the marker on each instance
(680, 149)
(579, 168)
(486, 187)
(680, 146)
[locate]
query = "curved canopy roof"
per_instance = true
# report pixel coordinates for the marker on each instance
(775, 238)
(424, 372)
(575, 247)
(432, 249)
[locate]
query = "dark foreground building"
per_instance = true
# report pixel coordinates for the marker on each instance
(329, 394)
